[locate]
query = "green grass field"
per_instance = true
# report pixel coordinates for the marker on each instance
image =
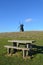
(17, 58)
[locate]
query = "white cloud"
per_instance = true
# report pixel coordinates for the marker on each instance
(28, 20)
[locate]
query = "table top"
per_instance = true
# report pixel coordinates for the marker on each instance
(22, 41)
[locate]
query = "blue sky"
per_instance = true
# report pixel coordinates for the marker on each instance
(28, 12)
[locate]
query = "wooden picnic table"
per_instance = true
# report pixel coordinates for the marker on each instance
(16, 43)
(27, 43)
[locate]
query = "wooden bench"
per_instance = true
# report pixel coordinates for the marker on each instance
(17, 48)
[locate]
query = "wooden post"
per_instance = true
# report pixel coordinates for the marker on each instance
(28, 46)
(23, 53)
(14, 44)
(17, 44)
(8, 50)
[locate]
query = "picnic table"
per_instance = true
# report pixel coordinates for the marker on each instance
(16, 43)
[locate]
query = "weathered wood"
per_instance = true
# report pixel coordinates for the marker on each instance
(17, 44)
(28, 45)
(8, 50)
(18, 48)
(23, 53)
(22, 41)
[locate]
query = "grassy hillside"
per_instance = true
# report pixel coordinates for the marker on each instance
(17, 58)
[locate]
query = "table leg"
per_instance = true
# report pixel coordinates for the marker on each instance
(8, 50)
(14, 44)
(23, 53)
(27, 52)
(17, 44)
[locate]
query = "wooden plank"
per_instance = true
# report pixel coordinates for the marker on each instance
(16, 47)
(22, 41)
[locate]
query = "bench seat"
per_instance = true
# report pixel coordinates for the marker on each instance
(18, 48)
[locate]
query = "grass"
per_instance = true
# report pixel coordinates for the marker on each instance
(17, 58)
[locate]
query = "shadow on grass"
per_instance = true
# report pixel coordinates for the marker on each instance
(36, 50)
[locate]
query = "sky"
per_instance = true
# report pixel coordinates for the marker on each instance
(15, 12)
